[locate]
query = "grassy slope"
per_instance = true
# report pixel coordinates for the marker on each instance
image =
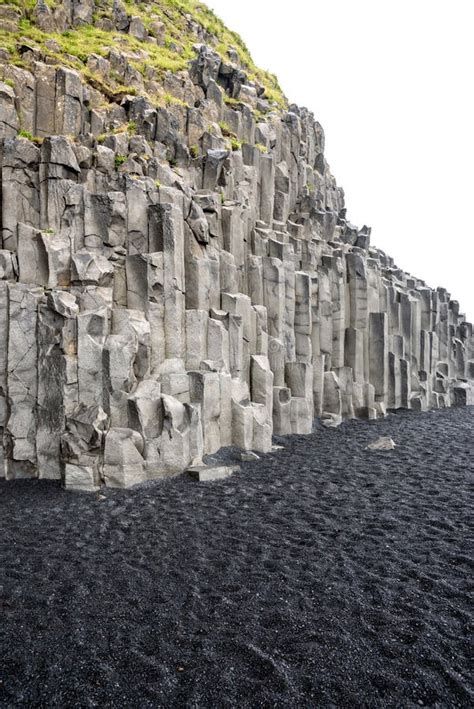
(174, 56)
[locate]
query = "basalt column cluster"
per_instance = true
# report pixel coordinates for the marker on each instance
(191, 282)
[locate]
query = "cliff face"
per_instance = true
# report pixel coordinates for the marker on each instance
(177, 269)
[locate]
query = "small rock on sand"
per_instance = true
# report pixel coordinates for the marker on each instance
(248, 456)
(204, 473)
(385, 443)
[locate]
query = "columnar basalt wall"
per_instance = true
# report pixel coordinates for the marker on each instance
(177, 278)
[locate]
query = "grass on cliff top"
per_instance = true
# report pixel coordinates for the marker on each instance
(174, 56)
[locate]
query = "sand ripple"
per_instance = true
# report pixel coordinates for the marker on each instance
(322, 575)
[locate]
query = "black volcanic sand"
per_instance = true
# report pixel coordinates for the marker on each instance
(320, 575)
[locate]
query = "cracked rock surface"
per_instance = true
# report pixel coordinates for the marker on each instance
(177, 269)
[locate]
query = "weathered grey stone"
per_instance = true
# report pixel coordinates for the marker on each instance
(120, 17)
(378, 353)
(173, 447)
(214, 164)
(206, 67)
(123, 462)
(205, 390)
(80, 477)
(20, 188)
(261, 382)
(9, 122)
(332, 403)
(210, 473)
(91, 269)
(93, 329)
(463, 395)
(136, 28)
(8, 265)
(22, 384)
(242, 424)
(163, 295)
(262, 428)
(281, 411)
(301, 415)
(196, 338)
(249, 457)
(382, 444)
(32, 257)
(68, 118)
(53, 333)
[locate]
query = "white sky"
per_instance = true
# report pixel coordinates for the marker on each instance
(391, 82)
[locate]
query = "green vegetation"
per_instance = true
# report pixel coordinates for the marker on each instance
(194, 151)
(119, 160)
(228, 39)
(74, 46)
(235, 144)
(130, 127)
(168, 99)
(29, 136)
(25, 134)
(229, 101)
(227, 131)
(261, 147)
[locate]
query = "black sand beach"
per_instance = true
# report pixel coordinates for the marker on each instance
(320, 575)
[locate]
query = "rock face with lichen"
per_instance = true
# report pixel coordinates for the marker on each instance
(177, 270)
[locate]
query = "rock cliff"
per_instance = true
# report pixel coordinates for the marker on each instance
(177, 269)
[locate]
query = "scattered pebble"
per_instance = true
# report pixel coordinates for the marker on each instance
(384, 443)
